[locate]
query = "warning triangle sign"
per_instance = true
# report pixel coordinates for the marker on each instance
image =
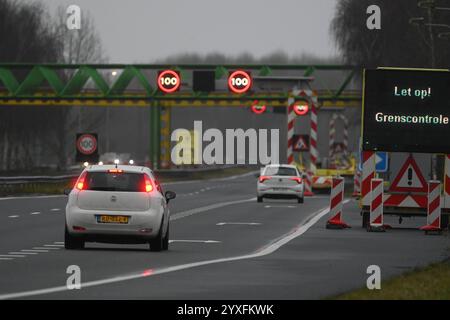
(409, 178)
(301, 143)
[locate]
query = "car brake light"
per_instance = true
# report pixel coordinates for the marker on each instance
(264, 178)
(81, 183)
(115, 171)
(148, 184)
(297, 179)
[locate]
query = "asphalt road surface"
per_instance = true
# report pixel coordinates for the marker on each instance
(224, 245)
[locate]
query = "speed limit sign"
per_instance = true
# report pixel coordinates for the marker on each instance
(168, 81)
(239, 81)
(86, 145)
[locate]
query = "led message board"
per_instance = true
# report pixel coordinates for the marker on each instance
(406, 110)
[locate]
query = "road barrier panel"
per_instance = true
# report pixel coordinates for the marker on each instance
(308, 184)
(433, 208)
(356, 184)
(336, 204)
(376, 206)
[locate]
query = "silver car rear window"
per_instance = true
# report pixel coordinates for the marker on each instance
(280, 171)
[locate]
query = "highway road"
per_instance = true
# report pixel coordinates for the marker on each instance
(224, 245)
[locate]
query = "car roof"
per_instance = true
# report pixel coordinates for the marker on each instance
(125, 168)
(282, 165)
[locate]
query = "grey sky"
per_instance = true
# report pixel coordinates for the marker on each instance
(145, 30)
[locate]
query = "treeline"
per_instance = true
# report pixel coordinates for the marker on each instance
(37, 136)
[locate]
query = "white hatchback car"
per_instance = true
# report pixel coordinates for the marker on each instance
(117, 204)
(280, 181)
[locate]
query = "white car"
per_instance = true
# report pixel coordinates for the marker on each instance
(117, 204)
(280, 181)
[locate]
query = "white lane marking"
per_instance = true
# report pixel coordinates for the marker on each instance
(6, 258)
(35, 197)
(54, 245)
(210, 180)
(13, 216)
(239, 223)
(279, 206)
(33, 250)
(55, 209)
(191, 212)
(46, 248)
(12, 255)
(268, 249)
(195, 241)
(22, 252)
(37, 212)
(58, 242)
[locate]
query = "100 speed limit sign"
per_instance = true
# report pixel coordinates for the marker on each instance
(87, 144)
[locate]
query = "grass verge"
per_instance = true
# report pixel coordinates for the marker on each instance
(429, 283)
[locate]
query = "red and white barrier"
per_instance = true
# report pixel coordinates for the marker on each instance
(368, 173)
(313, 151)
(356, 184)
(337, 204)
(308, 184)
(447, 182)
(290, 130)
(433, 207)
(332, 137)
(376, 205)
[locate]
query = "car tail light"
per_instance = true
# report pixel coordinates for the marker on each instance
(115, 171)
(264, 178)
(148, 186)
(81, 182)
(297, 179)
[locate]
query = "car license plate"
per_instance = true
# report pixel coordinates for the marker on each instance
(113, 219)
(278, 189)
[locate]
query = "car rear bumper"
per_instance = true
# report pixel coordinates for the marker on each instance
(285, 192)
(141, 224)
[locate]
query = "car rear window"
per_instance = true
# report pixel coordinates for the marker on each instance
(107, 181)
(280, 171)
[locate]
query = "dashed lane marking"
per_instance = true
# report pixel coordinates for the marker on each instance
(27, 253)
(34, 250)
(13, 216)
(269, 248)
(34, 213)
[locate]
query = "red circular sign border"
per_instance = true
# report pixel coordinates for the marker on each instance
(172, 73)
(302, 113)
(239, 91)
(79, 146)
(256, 111)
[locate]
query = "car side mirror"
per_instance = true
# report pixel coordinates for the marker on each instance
(257, 175)
(67, 191)
(170, 195)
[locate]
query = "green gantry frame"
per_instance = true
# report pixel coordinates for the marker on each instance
(65, 84)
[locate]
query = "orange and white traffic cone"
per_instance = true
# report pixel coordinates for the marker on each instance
(357, 184)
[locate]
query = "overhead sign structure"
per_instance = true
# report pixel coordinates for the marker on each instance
(239, 81)
(381, 162)
(87, 147)
(406, 110)
(301, 109)
(258, 108)
(169, 81)
(301, 142)
(409, 178)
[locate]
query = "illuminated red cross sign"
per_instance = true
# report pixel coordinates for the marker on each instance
(168, 81)
(301, 109)
(239, 81)
(258, 108)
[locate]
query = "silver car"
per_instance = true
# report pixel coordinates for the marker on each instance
(280, 181)
(117, 204)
